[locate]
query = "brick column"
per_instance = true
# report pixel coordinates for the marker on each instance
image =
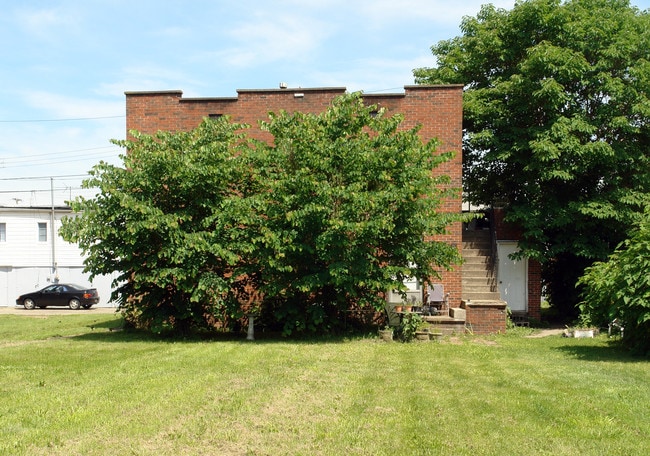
(485, 317)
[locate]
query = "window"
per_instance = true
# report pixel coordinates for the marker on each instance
(3, 232)
(51, 289)
(42, 232)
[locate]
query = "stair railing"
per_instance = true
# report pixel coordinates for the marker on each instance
(495, 251)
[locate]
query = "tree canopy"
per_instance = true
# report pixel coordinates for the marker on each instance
(556, 116)
(207, 225)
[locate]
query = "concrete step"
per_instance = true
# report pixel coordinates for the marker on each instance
(477, 260)
(477, 266)
(457, 313)
(478, 282)
(477, 287)
(472, 288)
(483, 240)
(477, 277)
(474, 268)
(492, 285)
(445, 324)
(487, 246)
(481, 295)
(477, 251)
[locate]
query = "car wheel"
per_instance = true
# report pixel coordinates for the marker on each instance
(29, 304)
(74, 304)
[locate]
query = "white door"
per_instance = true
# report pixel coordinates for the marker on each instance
(512, 277)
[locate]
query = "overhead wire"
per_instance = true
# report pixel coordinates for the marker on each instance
(47, 154)
(74, 119)
(54, 161)
(55, 158)
(61, 176)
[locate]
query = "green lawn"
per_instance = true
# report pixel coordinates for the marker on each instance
(69, 386)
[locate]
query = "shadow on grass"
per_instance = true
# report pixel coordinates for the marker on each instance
(612, 352)
(112, 332)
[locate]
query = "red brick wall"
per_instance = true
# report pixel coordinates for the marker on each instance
(485, 318)
(438, 109)
(504, 231)
(534, 289)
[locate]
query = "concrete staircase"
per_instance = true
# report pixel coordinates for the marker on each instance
(447, 325)
(479, 285)
(478, 281)
(478, 277)
(482, 311)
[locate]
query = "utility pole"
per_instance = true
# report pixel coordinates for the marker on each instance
(52, 233)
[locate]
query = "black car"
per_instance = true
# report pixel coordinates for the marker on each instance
(60, 294)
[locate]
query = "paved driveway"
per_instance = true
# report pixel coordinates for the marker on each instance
(16, 310)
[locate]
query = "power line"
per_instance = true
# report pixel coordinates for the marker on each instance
(42, 177)
(49, 154)
(45, 190)
(54, 161)
(60, 120)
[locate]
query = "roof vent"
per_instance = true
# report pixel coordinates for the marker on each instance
(283, 85)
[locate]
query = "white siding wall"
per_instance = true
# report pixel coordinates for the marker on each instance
(27, 264)
(23, 248)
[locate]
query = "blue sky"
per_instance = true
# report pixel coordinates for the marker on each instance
(67, 63)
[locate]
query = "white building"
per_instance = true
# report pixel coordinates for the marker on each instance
(33, 254)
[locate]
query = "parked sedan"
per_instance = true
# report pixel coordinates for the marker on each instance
(60, 294)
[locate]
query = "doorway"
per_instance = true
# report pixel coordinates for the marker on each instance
(512, 277)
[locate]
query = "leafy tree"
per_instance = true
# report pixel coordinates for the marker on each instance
(620, 289)
(556, 112)
(168, 222)
(351, 207)
(339, 208)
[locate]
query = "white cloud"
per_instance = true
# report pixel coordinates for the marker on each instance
(65, 107)
(266, 39)
(379, 13)
(436, 11)
(46, 23)
(88, 53)
(374, 74)
(147, 76)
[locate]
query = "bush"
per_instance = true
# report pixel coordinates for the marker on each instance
(620, 289)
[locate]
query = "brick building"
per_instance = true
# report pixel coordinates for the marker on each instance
(438, 109)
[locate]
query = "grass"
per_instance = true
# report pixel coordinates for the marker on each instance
(71, 387)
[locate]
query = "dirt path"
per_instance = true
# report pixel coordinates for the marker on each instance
(547, 332)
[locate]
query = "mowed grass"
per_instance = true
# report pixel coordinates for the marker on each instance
(69, 386)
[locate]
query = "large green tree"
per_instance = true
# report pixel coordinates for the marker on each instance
(206, 225)
(556, 116)
(168, 222)
(353, 203)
